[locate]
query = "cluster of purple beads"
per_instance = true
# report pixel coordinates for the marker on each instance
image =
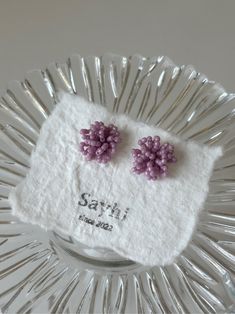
(152, 157)
(100, 141)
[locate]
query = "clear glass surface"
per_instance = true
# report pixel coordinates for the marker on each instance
(46, 272)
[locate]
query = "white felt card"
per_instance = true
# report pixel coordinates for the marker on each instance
(108, 206)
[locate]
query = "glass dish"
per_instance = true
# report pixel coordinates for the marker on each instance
(46, 272)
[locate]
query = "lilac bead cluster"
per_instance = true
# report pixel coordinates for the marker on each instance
(152, 157)
(100, 141)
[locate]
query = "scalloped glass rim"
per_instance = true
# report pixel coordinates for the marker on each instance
(48, 272)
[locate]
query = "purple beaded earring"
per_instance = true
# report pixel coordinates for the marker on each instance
(100, 142)
(152, 157)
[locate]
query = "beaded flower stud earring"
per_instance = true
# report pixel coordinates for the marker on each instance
(152, 157)
(99, 142)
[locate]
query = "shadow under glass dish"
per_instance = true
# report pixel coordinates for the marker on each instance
(43, 272)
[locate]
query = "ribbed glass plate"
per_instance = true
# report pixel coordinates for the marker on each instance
(46, 272)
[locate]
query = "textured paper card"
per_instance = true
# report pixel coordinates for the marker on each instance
(150, 222)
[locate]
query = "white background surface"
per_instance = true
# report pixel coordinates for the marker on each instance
(35, 32)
